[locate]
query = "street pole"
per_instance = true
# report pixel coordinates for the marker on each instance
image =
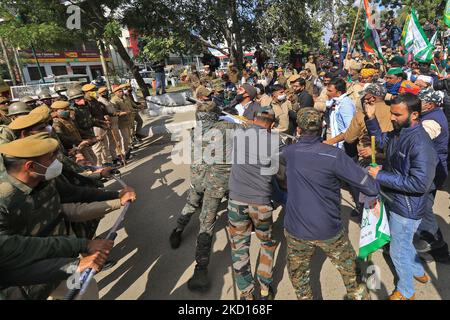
(8, 63)
(37, 62)
(354, 26)
(104, 66)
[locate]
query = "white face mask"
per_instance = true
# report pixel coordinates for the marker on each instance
(282, 98)
(53, 170)
(49, 129)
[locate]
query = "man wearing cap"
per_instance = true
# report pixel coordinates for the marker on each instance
(208, 75)
(31, 102)
(217, 174)
(83, 120)
(254, 165)
(113, 132)
(407, 178)
(45, 98)
(101, 125)
(206, 116)
(246, 105)
(59, 89)
(281, 106)
(233, 73)
(434, 121)
(311, 66)
(135, 117)
(31, 196)
(18, 109)
(313, 218)
(357, 131)
(64, 126)
(281, 79)
(124, 119)
(394, 80)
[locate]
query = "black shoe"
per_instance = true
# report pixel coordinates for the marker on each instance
(140, 136)
(128, 155)
(270, 296)
(175, 238)
(199, 281)
(109, 264)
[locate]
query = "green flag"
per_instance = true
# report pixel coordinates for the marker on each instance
(415, 40)
(447, 14)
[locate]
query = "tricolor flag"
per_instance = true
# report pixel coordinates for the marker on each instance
(372, 43)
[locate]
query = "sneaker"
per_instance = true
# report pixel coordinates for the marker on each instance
(175, 238)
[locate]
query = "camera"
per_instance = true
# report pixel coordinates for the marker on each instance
(442, 85)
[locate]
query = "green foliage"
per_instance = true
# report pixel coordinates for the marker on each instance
(157, 48)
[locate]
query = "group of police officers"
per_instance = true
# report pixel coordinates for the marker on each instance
(56, 154)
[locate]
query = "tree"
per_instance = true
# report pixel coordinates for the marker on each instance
(43, 22)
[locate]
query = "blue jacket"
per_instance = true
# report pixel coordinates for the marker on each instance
(314, 173)
(440, 144)
(409, 170)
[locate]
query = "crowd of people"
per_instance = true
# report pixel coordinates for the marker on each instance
(318, 118)
(56, 153)
(312, 121)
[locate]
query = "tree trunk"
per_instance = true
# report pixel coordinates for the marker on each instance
(236, 35)
(96, 9)
(8, 63)
(130, 64)
(101, 48)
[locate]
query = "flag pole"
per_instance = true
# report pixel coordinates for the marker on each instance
(354, 26)
(437, 68)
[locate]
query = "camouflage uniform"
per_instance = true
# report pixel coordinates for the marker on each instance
(241, 217)
(341, 253)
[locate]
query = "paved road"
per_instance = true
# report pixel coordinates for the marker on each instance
(149, 269)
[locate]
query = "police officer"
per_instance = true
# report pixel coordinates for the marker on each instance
(101, 125)
(125, 114)
(83, 120)
(18, 109)
(31, 102)
(31, 169)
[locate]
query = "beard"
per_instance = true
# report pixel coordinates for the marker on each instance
(398, 126)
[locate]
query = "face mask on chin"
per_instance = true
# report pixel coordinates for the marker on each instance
(52, 171)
